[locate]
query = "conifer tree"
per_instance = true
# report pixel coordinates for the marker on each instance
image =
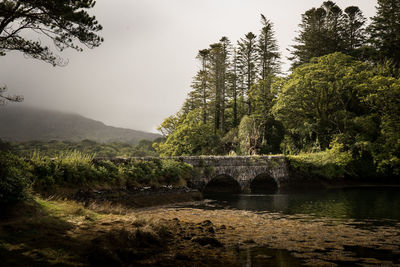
(268, 50)
(353, 30)
(385, 31)
(247, 58)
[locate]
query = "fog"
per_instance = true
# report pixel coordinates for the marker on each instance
(143, 70)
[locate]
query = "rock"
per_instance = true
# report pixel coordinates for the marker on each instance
(207, 240)
(211, 230)
(206, 223)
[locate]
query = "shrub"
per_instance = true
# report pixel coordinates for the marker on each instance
(76, 169)
(14, 179)
(176, 172)
(331, 163)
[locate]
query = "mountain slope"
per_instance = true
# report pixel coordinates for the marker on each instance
(21, 123)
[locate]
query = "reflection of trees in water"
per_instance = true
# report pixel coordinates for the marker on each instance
(354, 203)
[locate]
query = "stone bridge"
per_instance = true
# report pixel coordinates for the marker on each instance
(255, 174)
(236, 174)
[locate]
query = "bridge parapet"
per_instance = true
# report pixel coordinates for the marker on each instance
(242, 169)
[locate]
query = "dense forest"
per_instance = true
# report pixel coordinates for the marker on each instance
(341, 97)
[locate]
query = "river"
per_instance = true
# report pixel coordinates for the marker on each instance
(373, 204)
(364, 208)
(335, 227)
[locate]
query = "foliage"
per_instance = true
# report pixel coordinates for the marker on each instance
(328, 29)
(385, 31)
(4, 97)
(331, 163)
(14, 179)
(231, 83)
(248, 135)
(319, 100)
(77, 169)
(106, 150)
(382, 95)
(63, 22)
(191, 137)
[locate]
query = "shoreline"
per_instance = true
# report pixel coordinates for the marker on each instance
(182, 234)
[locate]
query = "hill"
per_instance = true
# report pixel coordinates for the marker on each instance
(21, 123)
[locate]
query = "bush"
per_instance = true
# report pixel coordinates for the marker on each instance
(77, 169)
(176, 172)
(14, 179)
(331, 163)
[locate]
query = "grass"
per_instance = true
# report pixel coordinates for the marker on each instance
(67, 210)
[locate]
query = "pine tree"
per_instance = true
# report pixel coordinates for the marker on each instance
(233, 79)
(353, 30)
(327, 30)
(268, 50)
(247, 58)
(216, 74)
(269, 65)
(201, 79)
(225, 47)
(311, 38)
(385, 31)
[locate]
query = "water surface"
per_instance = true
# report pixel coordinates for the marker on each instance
(378, 204)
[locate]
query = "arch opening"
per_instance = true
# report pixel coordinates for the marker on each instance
(263, 184)
(222, 184)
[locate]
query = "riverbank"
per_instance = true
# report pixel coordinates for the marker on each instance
(65, 233)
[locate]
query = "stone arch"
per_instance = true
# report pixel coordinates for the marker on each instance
(222, 183)
(263, 184)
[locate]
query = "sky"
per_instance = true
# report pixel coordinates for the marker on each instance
(142, 72)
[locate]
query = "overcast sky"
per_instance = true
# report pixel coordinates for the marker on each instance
(142, 72)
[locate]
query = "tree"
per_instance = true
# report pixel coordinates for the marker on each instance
(247, 58)
(190, 137)
(320, 99)
(263, 96)
(384, 31)
(268, 50)
(202, 79)
(326, 30)
(225, 47)
(353, 30)
(248, 135)
(64, 22)
(233, 77)
(382, 95)
(216, 77)
(311, 37)
(5, 97)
